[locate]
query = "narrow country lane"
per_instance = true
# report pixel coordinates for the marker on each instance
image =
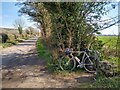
(22, 68)
(21, 54)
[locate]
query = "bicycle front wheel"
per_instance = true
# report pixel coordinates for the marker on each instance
(66, 63)
(90, 64)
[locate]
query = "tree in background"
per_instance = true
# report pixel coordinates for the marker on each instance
(39, 14)
(19, 24)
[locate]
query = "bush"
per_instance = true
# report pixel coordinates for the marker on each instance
(4, 37)
(11, 37)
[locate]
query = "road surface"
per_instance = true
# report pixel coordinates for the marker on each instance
(23, 68)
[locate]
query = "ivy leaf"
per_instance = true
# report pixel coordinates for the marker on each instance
(98, 32)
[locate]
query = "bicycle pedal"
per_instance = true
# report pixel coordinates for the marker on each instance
(79, 66)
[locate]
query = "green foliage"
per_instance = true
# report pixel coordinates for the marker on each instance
(110, 41)
(19, 40)
(11, 37)
(103, 82)
(96, 44)
(66, 24)
(8, 44)
(20, 30)
(46, 55)
(12, 42)
(25, 38)
(69, 25)
(109, 48)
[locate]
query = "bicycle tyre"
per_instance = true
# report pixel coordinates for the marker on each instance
(67, 64)
(90, 64)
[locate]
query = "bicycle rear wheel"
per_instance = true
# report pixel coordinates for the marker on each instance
(66, 63)
(90, 64)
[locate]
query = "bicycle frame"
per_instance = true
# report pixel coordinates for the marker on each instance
(85, 55)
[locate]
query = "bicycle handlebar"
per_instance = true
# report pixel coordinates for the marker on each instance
(69, 51)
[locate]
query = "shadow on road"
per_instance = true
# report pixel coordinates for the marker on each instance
(85, 79)
(24, 44)
(23, 53)
(16, 59)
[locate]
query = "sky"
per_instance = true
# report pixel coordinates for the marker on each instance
(9, 13)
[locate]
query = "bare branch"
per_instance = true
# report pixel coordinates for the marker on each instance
(19, 23)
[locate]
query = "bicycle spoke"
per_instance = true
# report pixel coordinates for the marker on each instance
(67, 64)
(90, 65)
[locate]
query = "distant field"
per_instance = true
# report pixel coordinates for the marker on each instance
(110, 41)
(8, 31)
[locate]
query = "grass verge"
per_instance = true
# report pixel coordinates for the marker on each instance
(46, 55)
(8, 44)
(13, 42)
(104, 82)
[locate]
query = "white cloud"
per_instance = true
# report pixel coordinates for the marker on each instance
(112, 30)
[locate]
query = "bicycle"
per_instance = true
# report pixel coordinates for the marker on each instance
(83, 58)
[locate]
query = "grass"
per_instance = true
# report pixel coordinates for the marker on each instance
(13, 42)
(110, 41)
(42, 51)
(103, 82)
(46, 55)
(8, 44)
